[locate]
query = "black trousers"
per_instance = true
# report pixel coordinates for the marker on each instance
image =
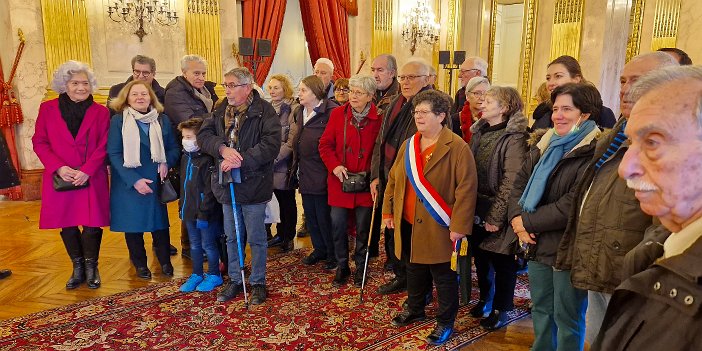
(288, 214)
(339, 216)
(137, 253)
(419, 279)
(318, 218)
(497, 274)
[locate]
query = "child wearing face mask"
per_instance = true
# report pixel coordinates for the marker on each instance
(199, 210)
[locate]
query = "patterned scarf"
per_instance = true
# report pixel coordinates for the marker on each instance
(613, 147)
(131, 140)
(234, 117)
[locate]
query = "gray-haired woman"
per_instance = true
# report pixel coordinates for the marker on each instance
(346, 146)
(70, 139)
(475, 95)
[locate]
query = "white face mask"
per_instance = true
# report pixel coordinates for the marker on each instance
(574, 129)
(190, 145)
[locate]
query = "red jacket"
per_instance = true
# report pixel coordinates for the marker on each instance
(331, 148)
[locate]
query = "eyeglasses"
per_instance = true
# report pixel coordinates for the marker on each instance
(419, 113)
(468, 70)
(138, 73)
(357, 93)
(342, 90)
(478, 94)
(233, 85)
(409, 77)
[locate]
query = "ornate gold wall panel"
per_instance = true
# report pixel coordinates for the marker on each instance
(527, 61)
(665, 24)
(635, 23)
(567, 27)
(381, 42)
(453, 37)
(202, 35)
(491, 42)
(65, 33)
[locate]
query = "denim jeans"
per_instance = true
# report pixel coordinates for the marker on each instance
(596, 307)
(559, 309)
(251, 217)
(203, 240)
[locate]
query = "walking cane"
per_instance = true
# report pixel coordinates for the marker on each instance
(239, 245)
(370, 235)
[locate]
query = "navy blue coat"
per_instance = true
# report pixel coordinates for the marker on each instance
(131, 212)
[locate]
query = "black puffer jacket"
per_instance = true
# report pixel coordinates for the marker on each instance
(304, 143)
(259, 143)
(503, 165)
(181, 104)
(196, 199)
(549, 220)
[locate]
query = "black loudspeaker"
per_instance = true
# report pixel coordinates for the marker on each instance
(263, 48)
(459, 57)
(444, 57)
(246, 46)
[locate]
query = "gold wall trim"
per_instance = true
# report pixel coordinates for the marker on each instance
(491, 42)
(453, 37)
(567, 28)
(635, 23)
(528, 45)
(665, 24)
(381, 42)
(65, 33)
(202, 35)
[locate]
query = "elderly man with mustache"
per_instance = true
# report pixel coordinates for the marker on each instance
(661, 307)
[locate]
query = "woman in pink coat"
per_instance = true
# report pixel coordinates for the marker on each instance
(70, 139)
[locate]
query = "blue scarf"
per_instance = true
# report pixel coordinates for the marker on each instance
(557, 147)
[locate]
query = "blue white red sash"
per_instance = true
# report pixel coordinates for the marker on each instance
(432, 201)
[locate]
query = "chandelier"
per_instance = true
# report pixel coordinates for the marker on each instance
(131, 11)
(420, 26)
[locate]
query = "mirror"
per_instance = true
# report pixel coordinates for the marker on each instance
(511, 50)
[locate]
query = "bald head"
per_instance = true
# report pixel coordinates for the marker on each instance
(637, 67)
(472, 67)
(414, 76)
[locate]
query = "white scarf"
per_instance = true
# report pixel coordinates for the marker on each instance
(131, 140)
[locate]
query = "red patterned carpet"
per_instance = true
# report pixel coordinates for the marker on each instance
(303, 312)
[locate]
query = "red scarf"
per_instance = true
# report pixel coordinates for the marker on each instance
(466, 122)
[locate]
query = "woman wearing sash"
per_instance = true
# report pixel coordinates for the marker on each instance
(538, 211)
(434, 176)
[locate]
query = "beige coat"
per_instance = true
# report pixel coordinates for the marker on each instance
(451, 170)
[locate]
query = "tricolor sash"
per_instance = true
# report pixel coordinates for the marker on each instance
(432, 201)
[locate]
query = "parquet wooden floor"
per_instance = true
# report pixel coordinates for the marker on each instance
(41, 267)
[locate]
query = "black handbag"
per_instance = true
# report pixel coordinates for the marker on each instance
(62, 185)
(356, 182)
(166, 192)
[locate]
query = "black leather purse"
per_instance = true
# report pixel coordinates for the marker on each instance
(356, 182)
(166, 192)
(62, 185)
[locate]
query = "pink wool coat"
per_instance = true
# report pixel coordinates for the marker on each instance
(56, 147)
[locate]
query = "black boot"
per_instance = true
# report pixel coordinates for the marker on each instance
(78, 276)
(90, 240)
(92, 275)
(71, 240)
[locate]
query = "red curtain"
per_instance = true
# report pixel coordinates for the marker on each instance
(8, 130)
(327, 33)
(263, 19)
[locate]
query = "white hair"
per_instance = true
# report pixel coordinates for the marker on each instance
(365, 82)
(191, 58)
(659, 77)
(475, 81)
(424, 66)
(242, 74)
(326, 61)
(67, 70)
(662, 58)
(479, 64)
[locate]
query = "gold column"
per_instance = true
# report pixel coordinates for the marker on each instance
(453, 37)
(527, 61)
(567, 27)
(65, 33)
(635, 22)
(491, 42)
(381, 42)
(202, 35)
(665, 25)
